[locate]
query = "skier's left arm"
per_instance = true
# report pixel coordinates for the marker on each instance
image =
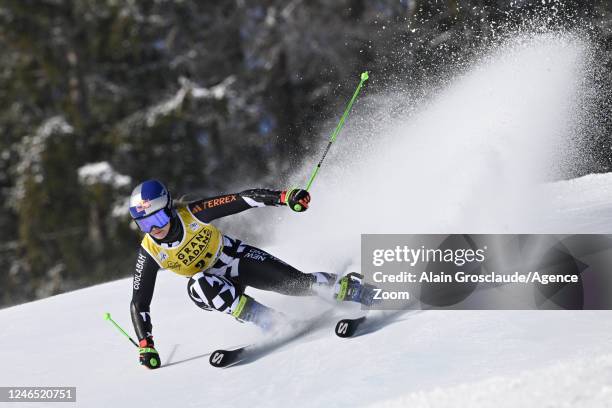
(210, 209)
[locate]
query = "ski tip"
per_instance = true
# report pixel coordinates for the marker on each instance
(347, 327)
(225, 358)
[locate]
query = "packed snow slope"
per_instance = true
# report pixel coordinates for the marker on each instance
(475, 159)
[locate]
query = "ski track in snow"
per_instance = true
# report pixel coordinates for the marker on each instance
(472, 161)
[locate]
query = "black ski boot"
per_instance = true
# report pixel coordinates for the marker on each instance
(352, 289)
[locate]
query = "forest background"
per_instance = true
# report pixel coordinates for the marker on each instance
(211, 97)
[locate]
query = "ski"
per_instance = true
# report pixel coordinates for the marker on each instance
(371, 322)
(247, 354)
(225, 358)
(348, 327)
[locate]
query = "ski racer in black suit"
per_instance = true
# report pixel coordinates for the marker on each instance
(180, 238)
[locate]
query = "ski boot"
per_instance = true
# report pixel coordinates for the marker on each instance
(352, 289)
(250, 310)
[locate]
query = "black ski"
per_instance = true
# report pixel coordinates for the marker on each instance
(348, 327)
(373, 321)
(252, 352)
(226, 358)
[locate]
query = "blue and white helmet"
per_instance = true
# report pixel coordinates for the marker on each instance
(151, 205)
(148, 197)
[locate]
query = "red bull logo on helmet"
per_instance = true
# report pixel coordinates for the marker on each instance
(143, 205)
(147, 198)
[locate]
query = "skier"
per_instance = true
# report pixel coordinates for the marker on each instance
(180, 238)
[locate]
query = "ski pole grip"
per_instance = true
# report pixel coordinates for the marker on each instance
(296, 207)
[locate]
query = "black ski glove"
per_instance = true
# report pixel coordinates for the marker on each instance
(263, 195)
(296, 198)
(149, 357)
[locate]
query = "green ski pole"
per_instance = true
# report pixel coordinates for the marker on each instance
(334, 135)
(108, 317)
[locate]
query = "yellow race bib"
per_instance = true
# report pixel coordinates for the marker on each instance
(201, 245)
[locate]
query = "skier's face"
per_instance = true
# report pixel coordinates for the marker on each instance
(160, 233)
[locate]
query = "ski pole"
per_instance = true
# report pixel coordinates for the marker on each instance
(108, 317)
(334, 135)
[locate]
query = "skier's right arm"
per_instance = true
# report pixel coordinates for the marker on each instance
(145, 273)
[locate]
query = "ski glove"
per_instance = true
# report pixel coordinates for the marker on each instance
(263, 195)
(149, 357)
(296, 198)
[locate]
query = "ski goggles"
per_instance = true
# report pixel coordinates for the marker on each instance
(158, 219)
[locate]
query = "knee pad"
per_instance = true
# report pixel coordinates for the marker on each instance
(211, 292)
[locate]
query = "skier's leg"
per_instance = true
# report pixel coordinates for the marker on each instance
(254, 267)
(251, 266)
(210, 292)
(259, 269)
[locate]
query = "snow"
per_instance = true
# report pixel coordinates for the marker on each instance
(580, 382)
(217, 92)
(188, 88)
(435, 171)
(102, 173)
(31, 151)
(581, 205)
(429, 358)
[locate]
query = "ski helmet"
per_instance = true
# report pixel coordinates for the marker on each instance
(151, 205)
